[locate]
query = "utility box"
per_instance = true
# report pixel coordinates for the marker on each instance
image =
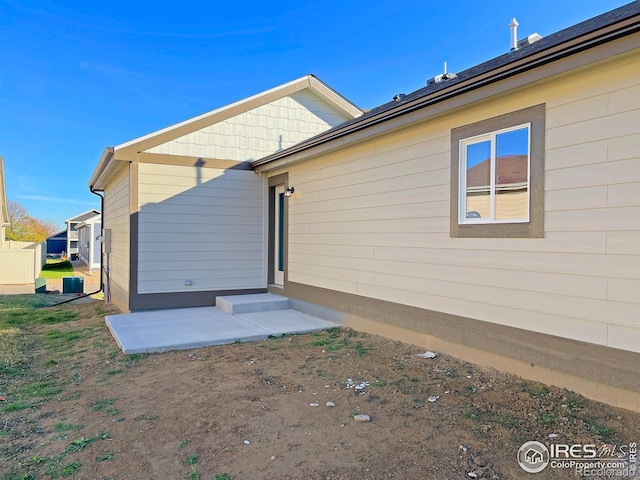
(72, 285)
(41, 285)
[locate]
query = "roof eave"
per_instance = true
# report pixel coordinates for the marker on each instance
(105, 159)
(555, 52)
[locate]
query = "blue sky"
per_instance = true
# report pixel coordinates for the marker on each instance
(76, 77)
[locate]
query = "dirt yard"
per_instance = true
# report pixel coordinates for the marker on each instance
(78, 408)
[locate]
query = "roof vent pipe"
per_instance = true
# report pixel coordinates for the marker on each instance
(513, 26)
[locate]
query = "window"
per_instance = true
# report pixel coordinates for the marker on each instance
(494, 177)
(497, 176)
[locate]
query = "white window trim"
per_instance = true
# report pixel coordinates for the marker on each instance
(462, 189)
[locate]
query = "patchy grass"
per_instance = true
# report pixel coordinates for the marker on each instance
(57, 269)
(13, 347)
(102, 404)
(66, 427)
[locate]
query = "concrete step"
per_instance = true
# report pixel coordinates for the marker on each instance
(258, 302)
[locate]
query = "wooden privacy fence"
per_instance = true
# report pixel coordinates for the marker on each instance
(21, 262)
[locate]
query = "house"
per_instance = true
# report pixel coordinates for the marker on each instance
(57, 244)
(90, 241)
(183, 212)
(4, 213)
(493, 215)
(72, 232)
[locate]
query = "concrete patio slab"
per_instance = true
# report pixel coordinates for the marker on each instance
(186, 328)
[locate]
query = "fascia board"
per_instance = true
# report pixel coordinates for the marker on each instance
(101, 168)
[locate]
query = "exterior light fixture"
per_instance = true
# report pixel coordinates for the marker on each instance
(289, 191)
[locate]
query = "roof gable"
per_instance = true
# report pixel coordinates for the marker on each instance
(334, 107)
(58, 236)
(83, 216)
(260, 131)
(510, 170)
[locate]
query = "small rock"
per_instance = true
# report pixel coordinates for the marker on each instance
(362, 418)
(331, 404)
(433, 398)
(247, 442)
(273, 457)
(314, 404)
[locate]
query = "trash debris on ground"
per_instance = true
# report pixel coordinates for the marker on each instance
(433, 398)
(427, 354)
(359, 387)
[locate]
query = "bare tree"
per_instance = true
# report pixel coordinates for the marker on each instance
(25, 228)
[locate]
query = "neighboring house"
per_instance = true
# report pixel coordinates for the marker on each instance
(183, 211)
(57, 243)
(72, 232)
(418, 220)
(4, 213)
(90, 241)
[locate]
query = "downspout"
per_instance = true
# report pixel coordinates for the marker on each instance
(101, 259)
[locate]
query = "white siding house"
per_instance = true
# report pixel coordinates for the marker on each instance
(90, 241)
(72, 232)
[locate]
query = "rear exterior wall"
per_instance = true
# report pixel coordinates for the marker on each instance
(199, 229)
(373, 219)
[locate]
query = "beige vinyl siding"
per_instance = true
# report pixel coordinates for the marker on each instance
(116, 218)
(258, 132)
(203, 225)
(373, 219)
